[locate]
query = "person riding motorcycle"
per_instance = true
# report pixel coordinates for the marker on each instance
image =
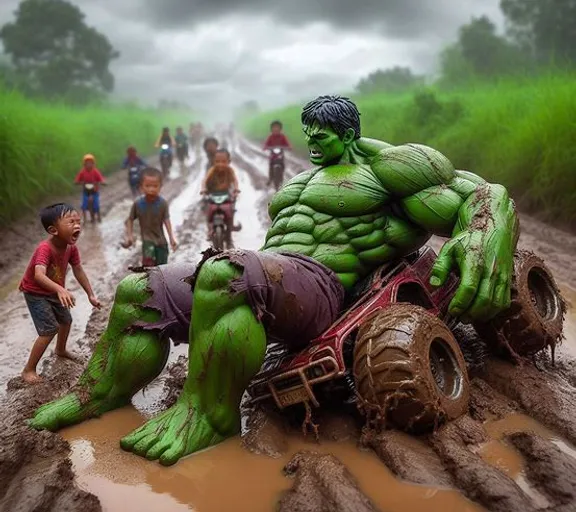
(210, 148)
(90, 178)
(181, 141)
(276, 139)
(166, 139)
(221, 178)
(134, 164)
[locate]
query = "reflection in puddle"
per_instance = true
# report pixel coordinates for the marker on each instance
(226, 477)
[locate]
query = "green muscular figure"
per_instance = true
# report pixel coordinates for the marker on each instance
(364, 203)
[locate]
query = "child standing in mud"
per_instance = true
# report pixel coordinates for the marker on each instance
(43, 284)
(152, 213)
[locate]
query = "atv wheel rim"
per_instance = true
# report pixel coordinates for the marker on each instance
(543, 294)
(445, 369)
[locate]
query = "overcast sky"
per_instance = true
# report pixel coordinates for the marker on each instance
(223, 52)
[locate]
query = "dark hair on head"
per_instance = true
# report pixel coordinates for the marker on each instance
(225, 151)
(152, 172)
(165, 129)
(336, 112)
(276, 123)
(50, 215)
(209, 140)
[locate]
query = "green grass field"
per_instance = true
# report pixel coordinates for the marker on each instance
(521, 133)
(41, 146)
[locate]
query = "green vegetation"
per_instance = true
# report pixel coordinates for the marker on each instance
(516, 132)
(41, 145)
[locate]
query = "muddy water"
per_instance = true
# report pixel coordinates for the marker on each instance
(226, 477)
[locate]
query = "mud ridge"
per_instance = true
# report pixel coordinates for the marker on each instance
(480, 481)
(322, 484)
(542, 394)
(552, 472)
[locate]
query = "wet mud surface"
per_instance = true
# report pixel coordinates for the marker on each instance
(514, 451)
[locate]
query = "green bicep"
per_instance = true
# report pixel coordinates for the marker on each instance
(439, 208)
(411, 168)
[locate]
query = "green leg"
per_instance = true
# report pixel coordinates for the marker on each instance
(121, 363)
(227, 347)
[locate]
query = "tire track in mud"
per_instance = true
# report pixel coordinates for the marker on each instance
(457, 454)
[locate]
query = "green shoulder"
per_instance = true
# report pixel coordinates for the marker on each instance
(371, 147)
(410, 168)
(290, 192)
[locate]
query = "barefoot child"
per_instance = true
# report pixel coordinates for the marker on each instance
(43, 284)
(152, 213)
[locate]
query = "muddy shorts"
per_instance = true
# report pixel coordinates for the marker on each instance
(295, 297)
(172, 298)
(153, 254)
(47, 313)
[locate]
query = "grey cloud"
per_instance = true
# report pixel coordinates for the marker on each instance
(406, 19)
(217, 53)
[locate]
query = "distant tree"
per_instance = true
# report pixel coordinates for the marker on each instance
(480, 52)
(396, 79)
(56, 54)
(546, 28)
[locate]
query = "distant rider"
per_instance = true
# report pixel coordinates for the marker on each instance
(132, 161)
(276, 139)
(166, 138)
(221, 178)
(210, 147)
(91, 176)
(181, 144)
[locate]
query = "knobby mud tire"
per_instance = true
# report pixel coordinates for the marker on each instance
(535, 318)
(218, 238)
(409, 370)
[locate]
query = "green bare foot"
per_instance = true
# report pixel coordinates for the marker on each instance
(175, 433)
(69, 410)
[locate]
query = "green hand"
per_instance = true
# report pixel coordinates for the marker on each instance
(484, 260)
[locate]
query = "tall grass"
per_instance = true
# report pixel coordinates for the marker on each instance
(41, 146)
(521, 133)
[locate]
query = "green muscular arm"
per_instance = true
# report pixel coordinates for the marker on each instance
(479, 217)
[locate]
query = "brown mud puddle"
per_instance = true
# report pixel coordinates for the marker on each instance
(226, 477)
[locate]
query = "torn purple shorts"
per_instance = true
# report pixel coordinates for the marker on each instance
(295, 297)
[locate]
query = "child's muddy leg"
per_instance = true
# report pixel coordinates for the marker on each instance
(123, 362)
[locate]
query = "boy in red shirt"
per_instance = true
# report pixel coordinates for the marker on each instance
(43, 284)
(91, 176)
(276, 139)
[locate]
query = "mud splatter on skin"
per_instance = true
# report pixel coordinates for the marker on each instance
(322, 484)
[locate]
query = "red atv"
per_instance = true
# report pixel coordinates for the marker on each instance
(393, 350)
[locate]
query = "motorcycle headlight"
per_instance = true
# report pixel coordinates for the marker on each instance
(164, 146)
(276, 151)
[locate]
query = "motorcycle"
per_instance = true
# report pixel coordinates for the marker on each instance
(89, 192)
(220, 208)
(277, 167)
(165, 159)
(181, 153)
(134, 177)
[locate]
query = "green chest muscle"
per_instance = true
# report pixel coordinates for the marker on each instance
(344, 190)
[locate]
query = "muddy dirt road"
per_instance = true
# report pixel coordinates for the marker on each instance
(515, 451)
